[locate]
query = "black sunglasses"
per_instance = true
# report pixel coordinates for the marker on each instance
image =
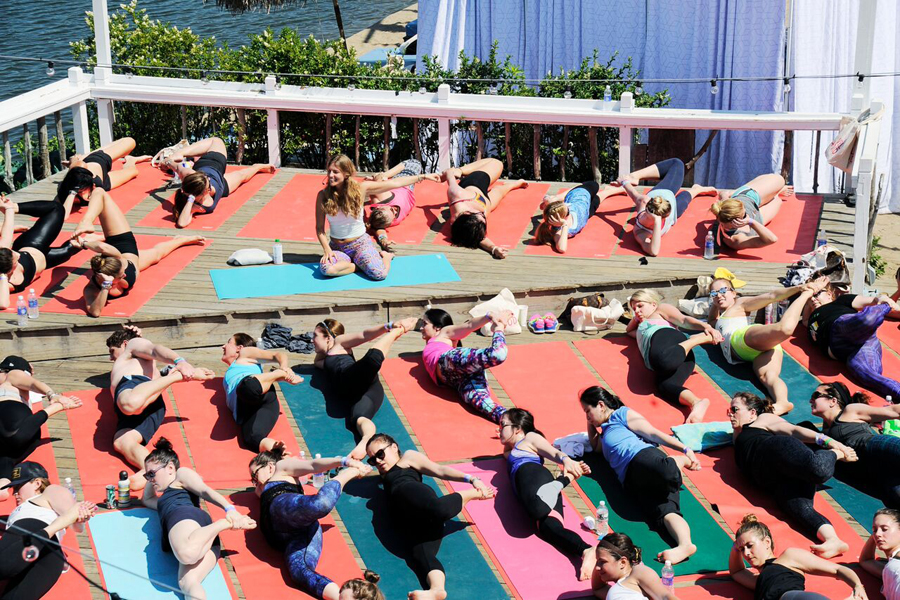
(149, 475)
(822, 395)
(377, 456)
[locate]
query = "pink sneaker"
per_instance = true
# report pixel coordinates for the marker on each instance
(536, 323)
(551, 324)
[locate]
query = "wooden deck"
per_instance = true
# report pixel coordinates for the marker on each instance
(69, 352)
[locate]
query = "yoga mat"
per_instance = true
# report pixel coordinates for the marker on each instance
(150, 281)
(431, 198)
(162, 216)
(436, 414)
(212, 434)
(794, 225)
(260, 568)
(131, 539)
(363, 508)
(509, 221)
(92, 427)
(889, 333)
(715, 588)
(286, 280)
(534, 569)
(546, 378)
(290, 214)
(132, 193)
(599, 237)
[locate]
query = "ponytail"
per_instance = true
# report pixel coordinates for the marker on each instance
(163, 454)
(595, 394)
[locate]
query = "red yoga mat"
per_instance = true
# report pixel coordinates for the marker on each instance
(546, 378)
(618, 361)
(47, 282)
(259, 567)
(714, 589)
(150, 281)
(599, 237)
(212, 434)
(795, 226)
(436, 414)
(889, 333)
(291, 214)
(162, 216)
(149, 180)
(510, 535)
(509, 221)
(92, 427)
(431, 198)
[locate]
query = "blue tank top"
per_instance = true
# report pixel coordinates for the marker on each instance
(579, 203)
(517, 458)
(644, 334)
(619, 443)
(233, 377)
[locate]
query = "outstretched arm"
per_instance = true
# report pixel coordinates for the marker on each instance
(376, 187)
(458, 332)
(808, 562)
(642, 427)
(868, 559)
(144, 348)
(352, 340)
(426, 466)
(739, 572)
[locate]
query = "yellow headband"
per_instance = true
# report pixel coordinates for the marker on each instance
(723, 273)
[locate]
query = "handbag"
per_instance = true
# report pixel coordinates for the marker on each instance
(842, 150)
(587, 319)
(596, 300)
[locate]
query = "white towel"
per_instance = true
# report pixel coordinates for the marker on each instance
(575, 445)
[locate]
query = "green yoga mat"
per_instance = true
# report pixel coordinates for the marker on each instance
(713, 543)
(363, 508)
(801, 383)
(286, 280)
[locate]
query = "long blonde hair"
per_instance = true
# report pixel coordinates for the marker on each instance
(543, 235)
(348, 197)
(727, 210)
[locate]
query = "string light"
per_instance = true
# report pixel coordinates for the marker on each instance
(567, 94)
(787, 85)
(204, 78)
(50, 70)
(713, 87)
(638, 90)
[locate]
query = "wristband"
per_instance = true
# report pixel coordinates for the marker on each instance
(389, 325)
(488, 315)
(190, 199)
(383, 236)
(229, 508)
(562, 456)
(344, 461)
(685, 450)
(106, 285)
(470, 478)
(821, 440)
(4, 277)
(177, 360)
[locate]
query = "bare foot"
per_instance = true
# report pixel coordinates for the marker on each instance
(829, 548)
(701, 190)
(187, 240)
(588, 562)
(427, 595)
(698, 411)
(387, 257)
(265, 168)
(786, 192)
(133, 160)
(519, 184)
(359, 452)
(137, 482)
(677, 554)
(780, 408)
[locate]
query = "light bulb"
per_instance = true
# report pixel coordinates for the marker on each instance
(787, 88)
(638, 91)
(494, 90)
(714, 87)
(129, 73)
(50, 70)
(351, 87)
(567, 94)
(422, 90)
(204, 78)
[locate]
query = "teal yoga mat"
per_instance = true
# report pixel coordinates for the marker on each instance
(362, 506)
(286, 280)
(801, 383)
(713, 543)
(131, 539)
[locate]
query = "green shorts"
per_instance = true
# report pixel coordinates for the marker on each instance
(740, 349)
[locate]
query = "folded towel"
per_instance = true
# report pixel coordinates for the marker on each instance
(575, 445)
(704, 436)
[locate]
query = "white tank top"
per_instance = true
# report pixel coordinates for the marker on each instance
(345, 227)
(890, 578)
(29, 510)
(619, 592)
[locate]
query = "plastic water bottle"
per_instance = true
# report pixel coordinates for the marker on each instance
(318, 478)
(602, 526)
(668, 577)
(305, 479)
(277, 253)
(821, 240)
(70, 487)
(22, 311)
(770, 314)
(607, 97)
(709, 246)
(33, 311)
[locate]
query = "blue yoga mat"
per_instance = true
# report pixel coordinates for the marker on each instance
(131, 539)
(801, 383)
(362, 506)
(286, 280)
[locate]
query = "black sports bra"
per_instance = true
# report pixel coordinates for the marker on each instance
(29, 268)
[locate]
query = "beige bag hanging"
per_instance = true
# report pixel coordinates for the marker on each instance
(841, 152)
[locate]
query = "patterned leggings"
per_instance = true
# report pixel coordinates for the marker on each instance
(410, 167)
(296, 518)
(463, 369)
(854, 340)
(363, 253)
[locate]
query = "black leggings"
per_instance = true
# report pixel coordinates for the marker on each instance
(257, 412)
(50, 218)
(671, 177)
(534, 481)
(653, 481)
(671, 365)
(24, 580)
(419, 514)
(20, 434)
(790, 471)
(357, 383)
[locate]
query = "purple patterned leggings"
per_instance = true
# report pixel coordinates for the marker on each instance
(463, 369)
(854, 340)
(363, 253)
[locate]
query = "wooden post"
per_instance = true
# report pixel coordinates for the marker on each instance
(60, 136)
(787, 155)
(184, 126)
(328, 119)
(273, 136)
(537, 152)
(340, 23)
(386, 157)
(242, 135)
(816, 161)
(595, 154)
(443, 144)
(29, 173)
(479, 133)
(507, 132)
(565, 154)
(417, 149)
(7, 157)
(625, 138)
(44, 147)
(356, 142)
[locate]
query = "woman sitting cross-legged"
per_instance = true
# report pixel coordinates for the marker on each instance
(290, 520)
(418, 513)
(620, 574)
(774, 455)
(781, 577)
(650, 477)
(188, 531)
(525, 449)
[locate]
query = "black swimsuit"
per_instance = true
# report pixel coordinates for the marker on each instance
(126, 244)
(776, 580)
(99, 157)
(177, 505)
(29, 268)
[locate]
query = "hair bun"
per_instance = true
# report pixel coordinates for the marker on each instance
(163, 444)
(371, 576)
(751, 518)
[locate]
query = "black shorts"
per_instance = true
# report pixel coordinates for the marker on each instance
(653, 480)
(103, 159)
(147, 422)
(124, 243)
(478, 179)
(188, 513)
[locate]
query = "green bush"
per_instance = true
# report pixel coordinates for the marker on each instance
(136, 39)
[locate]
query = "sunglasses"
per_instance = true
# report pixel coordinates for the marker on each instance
(719, 292)
(254, 474)
(822, 395)
(503, 426)
(731, 410)
(377, 456)
(149, 475)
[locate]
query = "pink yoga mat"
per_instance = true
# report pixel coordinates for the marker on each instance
(436, 414)
(162, 216)
(599, 237)
(510, 535)
(291, 214)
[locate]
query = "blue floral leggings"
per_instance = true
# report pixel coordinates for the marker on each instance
(463, 369)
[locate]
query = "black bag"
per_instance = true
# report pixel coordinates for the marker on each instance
(595, 300)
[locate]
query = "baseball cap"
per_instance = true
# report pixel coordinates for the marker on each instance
(25, 472)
